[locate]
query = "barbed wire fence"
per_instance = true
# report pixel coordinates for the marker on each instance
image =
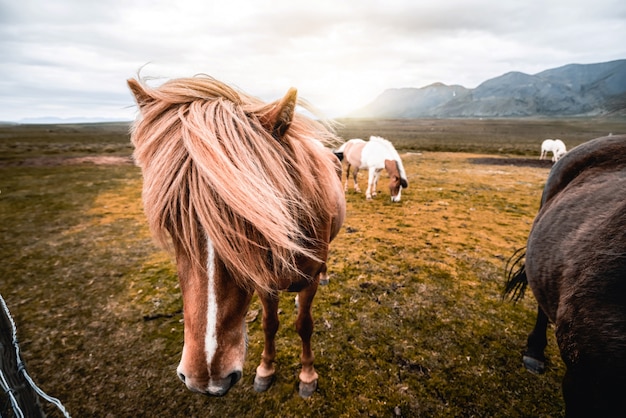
(20, 396)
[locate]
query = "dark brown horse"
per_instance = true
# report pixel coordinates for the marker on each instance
(575, 264)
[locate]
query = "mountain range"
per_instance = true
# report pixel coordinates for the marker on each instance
(572, 90)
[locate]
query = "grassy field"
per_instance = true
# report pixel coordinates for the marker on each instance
(412, 323)
(496, 136)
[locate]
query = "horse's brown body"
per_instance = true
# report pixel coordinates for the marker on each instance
(250, 203)
(576, 268)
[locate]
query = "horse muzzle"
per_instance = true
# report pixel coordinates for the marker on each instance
(215, 387)
(397, 197)
(221, 386)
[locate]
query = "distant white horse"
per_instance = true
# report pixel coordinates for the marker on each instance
(555, 146)
(375, 154)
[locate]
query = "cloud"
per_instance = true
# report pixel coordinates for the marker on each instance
(72, 57)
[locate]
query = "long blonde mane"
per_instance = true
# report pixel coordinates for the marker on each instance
(211, 171)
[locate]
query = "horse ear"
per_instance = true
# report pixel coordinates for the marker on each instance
(141, 95)
(276, 117)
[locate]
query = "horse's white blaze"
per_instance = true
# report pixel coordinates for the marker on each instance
(397, 197)
(210, 339)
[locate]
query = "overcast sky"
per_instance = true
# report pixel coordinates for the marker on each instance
(71, 58)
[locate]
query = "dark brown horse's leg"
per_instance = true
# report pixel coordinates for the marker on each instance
(304, 326)
(534, 358)
(265, 372)
(578, 395)
(590, 392)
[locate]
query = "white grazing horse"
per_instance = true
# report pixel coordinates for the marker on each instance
(375, 154)
(555, 146)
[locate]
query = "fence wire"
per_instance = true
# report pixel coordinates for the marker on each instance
(16, 399)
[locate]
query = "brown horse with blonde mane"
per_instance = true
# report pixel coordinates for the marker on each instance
(249, 198)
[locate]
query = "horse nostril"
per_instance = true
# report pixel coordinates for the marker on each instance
(181, 377)
(234, 377)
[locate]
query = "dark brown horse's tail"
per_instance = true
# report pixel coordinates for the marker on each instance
(516, 281)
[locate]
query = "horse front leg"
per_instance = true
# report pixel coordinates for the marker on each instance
(372, 182)
(534, 357)
(265, 372)
(323, 275)
(345, 187)
(304, 326)
(375, 183)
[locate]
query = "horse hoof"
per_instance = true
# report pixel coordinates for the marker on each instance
(261, 384)
(307, 389)
(324, 281)
(533, 365)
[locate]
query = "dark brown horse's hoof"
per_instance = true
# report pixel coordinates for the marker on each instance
(307, 389)
(533, 365)
(261, 384)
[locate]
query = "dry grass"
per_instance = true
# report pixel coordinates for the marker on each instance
(412, 321)
(493, 136)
